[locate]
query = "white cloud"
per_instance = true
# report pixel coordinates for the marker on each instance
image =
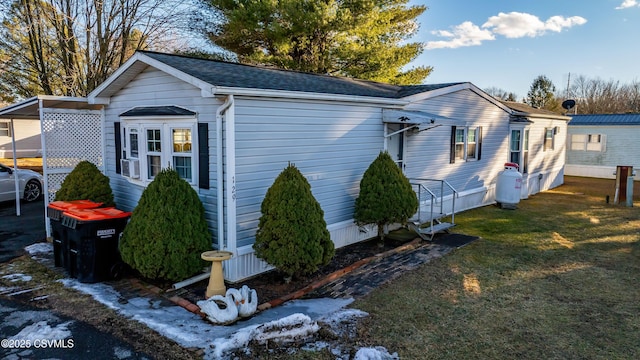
(627, 4)
(465, 34)
(512, 25)
(516, 25)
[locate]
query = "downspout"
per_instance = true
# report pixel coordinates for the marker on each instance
(220, 169)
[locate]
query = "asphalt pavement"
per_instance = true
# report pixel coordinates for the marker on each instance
(29, 332)
(16, 232)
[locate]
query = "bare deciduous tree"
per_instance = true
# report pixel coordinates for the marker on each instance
(598, 96)
(68, 47)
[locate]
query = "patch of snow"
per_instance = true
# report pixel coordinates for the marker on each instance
(42, 330)
(120, 353)
(39, 248)
(18, 277)
(375, 353)
(287, 329)
(18, 319)
(292, 320)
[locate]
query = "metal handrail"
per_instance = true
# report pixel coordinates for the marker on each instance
(434, 197)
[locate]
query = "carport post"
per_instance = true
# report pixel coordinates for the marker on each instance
(15, 167)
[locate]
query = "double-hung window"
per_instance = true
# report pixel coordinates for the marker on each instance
(161, 145)
(519, 148)
(548, 138)
(587, 142)
(5, 128)
(466, 143)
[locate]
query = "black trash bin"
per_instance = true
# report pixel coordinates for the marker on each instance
(93, 236)
(55, 210)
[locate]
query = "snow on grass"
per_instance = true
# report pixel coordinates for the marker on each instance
(39, 248)
(18, 277)
(375, 353)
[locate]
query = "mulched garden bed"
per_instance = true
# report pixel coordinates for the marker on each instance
(271, 285)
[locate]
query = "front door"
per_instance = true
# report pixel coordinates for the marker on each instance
(396, 145)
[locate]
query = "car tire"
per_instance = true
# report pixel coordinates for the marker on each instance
(32, 191)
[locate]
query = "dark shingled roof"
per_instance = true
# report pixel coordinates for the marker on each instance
(158, 111)
(605, 119)
(226, 74)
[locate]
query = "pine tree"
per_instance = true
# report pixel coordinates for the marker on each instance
(386, 196)
(292, 234)
(86, 182)
(362, 39)
(167, 231)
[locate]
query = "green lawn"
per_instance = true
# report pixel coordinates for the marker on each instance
(558, 278)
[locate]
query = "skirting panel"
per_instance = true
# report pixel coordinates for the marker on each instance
(604, 172)
(245, 264)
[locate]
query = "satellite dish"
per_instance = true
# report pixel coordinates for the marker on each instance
(568, 104)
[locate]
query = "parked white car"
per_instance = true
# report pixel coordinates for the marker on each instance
(30, 184)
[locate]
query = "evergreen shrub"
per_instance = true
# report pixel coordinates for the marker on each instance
(386, 195)
(167, 231)
(86, 182)
(292, 234)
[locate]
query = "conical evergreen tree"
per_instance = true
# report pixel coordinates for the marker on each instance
(292, 234)
(386, 196)
(167, 231)
(86, 182)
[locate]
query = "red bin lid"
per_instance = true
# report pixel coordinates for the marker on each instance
(74, 204)
(96, 214)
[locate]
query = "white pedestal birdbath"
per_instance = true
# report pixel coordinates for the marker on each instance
(216, 279)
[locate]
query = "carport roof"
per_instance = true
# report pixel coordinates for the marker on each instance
(30, 108)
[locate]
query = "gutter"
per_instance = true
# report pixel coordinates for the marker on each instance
(220, 170)
(284, 94)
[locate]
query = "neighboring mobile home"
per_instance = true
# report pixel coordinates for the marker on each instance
(230, 129)
(27, 138)
(598, 143)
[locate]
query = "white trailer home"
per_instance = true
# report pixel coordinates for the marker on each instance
(230, 129)
(598, 143)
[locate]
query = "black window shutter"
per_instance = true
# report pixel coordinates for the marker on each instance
(479, 142)
(203, 155)
(118, 143)
(452, 156)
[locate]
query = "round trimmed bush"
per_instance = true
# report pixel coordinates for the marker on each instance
(386, 195)
(86, 182)
(167, 231)
(292, 234)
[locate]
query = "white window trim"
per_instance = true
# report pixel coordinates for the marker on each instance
(166, 125)
(523, 147)
(465, 143)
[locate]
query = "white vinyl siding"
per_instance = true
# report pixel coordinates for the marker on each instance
(155, 88)
(618, 144)
(429, 152)
(332, 144)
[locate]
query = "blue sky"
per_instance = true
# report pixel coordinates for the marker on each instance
(508, 43)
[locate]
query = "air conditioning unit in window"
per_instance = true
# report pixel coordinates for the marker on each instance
(130, 168)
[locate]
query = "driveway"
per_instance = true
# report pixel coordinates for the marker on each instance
(16, 232)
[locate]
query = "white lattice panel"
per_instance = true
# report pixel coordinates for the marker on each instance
(71, 136)
(54, 181)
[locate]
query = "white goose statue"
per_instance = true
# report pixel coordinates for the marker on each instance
(246, 299)
(221, 310)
